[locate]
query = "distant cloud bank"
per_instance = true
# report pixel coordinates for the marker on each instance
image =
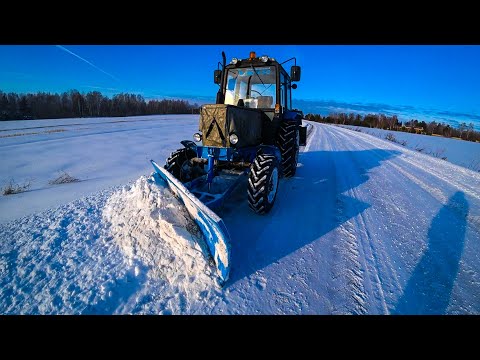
(406, 112)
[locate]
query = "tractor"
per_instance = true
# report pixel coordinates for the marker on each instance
(252, 130)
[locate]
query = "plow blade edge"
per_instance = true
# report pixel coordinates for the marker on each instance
(214, 230)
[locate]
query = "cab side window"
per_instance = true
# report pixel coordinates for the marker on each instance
(284, 98)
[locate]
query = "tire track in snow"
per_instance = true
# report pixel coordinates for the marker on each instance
(426, 164)
(351, 267)
(358, 231)
(426, 170)
(359, 225)
(382, 259)
(381, 267)
(415, 169)
(338, 281)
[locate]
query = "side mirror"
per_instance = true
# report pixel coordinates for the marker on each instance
(295, 73)
(217, 77)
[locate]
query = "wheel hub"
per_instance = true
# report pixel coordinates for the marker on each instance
(272, 185)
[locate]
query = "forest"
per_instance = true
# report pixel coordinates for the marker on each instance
(381, 121)
(43, 105)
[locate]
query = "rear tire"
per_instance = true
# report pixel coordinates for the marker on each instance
(177, 162)
(288, 141)
(263, 183)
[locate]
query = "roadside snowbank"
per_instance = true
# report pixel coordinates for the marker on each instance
(153, 227)
(458, 152)
(123, 250)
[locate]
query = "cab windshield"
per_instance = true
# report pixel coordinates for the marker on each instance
(255, 87)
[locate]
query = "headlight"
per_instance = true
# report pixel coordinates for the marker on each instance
(234, 61)
(264, 58)
(233, 139)
(197, 137)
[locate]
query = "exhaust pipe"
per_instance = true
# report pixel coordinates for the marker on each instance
(221, 93)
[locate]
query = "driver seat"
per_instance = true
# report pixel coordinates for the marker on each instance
(265, 102)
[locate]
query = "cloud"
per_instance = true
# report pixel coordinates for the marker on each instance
(198, 99)
(101, 88)
(404, 112)
(88, 62)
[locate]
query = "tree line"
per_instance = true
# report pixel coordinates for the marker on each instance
(43, 105)
(381, 121)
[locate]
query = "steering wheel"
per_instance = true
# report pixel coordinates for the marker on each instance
(256, 92)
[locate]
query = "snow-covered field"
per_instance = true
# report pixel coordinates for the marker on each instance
(100, 152)
(366, 226)
(460, 152)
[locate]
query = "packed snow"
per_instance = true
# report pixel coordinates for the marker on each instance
(456, 151)
(366, 226)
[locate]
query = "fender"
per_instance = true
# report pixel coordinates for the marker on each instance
(297, 116)
(271, 150)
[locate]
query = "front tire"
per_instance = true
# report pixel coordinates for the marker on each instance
(178, 161)
(263, 183)
(288, 141)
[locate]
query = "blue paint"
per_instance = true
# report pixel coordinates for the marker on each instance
(211, 168)
(219, 153)
(214, 230)
(227, 153)
(292, 115)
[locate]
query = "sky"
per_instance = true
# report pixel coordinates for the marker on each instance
(420, 80)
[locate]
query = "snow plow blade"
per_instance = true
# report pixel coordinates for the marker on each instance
(214, 230)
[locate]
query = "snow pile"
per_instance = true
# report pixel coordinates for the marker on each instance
(59, 262)
(153, 227)
(127, 250)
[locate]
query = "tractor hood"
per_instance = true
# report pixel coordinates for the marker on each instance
(219, 121)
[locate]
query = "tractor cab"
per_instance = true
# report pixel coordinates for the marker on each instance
(257, 83)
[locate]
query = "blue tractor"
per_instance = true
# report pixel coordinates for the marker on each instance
(252, 131)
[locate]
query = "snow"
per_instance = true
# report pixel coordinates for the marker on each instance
(154, 229)
(366, 226)
(101, 153)
(456, 151)
(112, 253)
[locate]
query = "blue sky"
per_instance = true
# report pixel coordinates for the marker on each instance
(419, 80)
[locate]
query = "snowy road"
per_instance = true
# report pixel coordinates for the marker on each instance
(365, 227)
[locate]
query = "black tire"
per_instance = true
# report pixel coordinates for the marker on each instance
(177, 160)
(263, 183)
(288, 140)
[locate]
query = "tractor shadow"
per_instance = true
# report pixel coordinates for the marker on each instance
(429, 288)
(308, 206)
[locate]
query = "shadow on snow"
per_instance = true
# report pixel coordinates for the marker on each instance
(308, 206)
(428, 289)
